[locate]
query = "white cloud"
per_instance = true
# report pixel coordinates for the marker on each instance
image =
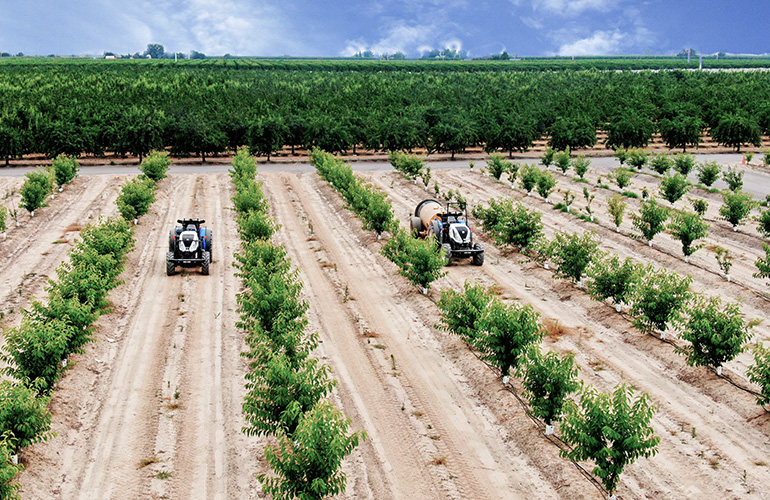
(573, 7)
(600, 43)
(400, 37)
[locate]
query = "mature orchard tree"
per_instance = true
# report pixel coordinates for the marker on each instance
(735, 130)
(629, 130)
(267, 135)
(514, 133)
(453, 134)
(571, 132)
(681, 131)
(194, 132)
(138, 131)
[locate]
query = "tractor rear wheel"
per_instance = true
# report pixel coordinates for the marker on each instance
(171, 240)
(447, 253)
(478, 258)
(205, 264)
(170, 265)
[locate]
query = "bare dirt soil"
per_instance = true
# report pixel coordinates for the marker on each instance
(153, 408)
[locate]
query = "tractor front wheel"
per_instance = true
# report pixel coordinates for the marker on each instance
(447, 253)
(205, 264)
(170, 264)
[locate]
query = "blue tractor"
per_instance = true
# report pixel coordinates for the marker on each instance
(189, 245)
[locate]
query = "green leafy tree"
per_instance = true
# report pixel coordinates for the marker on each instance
(661, 163)
(738, 129)
(630, 130)
(571, 132)
(244, 167)
(419, 261)
(528, 177)
(651, 219)
(684, 163)
(699, 205)
(24, 417)
(763, 219)
(724, 260)
(65, 168)
(621, 154)
(36, 188)
(155, 165)
(734, 179)
(763, 263)
(155, 51)
(674, 187)
(548, 381)
(280, 390)
(581, 164)
(573, 253)
(611, 278)
(135, 198)
(562, 160)
(409, 165)
(547, 158)
(612, 430)
(497, 166)
(9, 487)
(759, 373)
(681, 131)
(34, 351)
(658, 299)
(621, 176)
(717, 333)
(3, 224)
(708, 172)
(308, 462)
(736, 208)
(616, 207)
(637, 158)
(687, 227)
(509, 224)
(462, 311)
(267, 135)
(545, 184)
(505, 332)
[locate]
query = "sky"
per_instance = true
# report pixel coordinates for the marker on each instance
(308, 28)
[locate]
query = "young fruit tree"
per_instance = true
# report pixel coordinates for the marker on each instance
(65, 168)
(699, 205)
(25, 416)
(616, 207)
(759, 373)
(462, 311)
(548, 380)
(620, 153)
(562, 160)
(734, 178)
(658, 299)
(581, 164)
(612, 430)
(684, 163)
(609, 278)
(505, 332)
(763, 219)
(9, 487)
(545, 184)
(135, 198)
(724, 260)
(637, 158)
(651, 219)
(737, 206)
(763, 263)
(717, 333)
(529, 175)
(573, 253)
(36, 188)
(673, 187)
(308, 462)
(621, 176)
(547, 158)
(419, 261)
(687, 227)
(155, 165)
(708, 172)
(509, 225)
(661, 163)
(497, 166)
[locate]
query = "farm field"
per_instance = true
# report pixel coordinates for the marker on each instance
(153, 408)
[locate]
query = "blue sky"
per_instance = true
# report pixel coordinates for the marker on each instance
(341, 28)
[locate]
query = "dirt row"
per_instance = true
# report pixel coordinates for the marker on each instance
(152, 409)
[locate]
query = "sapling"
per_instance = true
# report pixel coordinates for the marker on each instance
(759, 373)
(589, 199)
(529, 175)
(658, 299)
(766, 158)
(573, 253)
(155, 165)
(621, 154)
(548, 380)
(462, 311)
(724, 260)
(621, 176)
(683, 163)
(651, 219)
(65, 169)
(612, 430)
(717, 333)
(687, 227)
(545, 184)
(497, 166)
(581, 164)
(737, 206)
(734, 179)
(36, 188)
(699, 205)
(637, 158)
(609, 278)
(616, 207)
(419, 261)
(763, 263)
(547, 158)
(569, 198)
(764, 223)
(708, 172)
(749, 156)
(673, 187)
(661, 163)
(513, 170)
(562, 160)
(3, 224)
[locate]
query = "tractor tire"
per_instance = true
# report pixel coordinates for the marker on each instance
(170, 266)
(478, 258)
(447, 253)
(205, 264)
(435, 229)
(417, 225)
(210, 242)
(171, 240)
